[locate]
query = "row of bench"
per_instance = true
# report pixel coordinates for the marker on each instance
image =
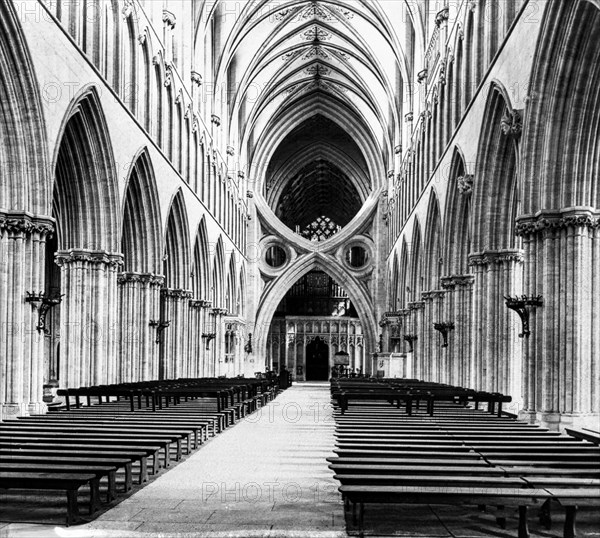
(103, 445)
(462, 455)
(411, 393)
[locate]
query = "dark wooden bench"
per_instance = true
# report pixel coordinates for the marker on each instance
(99, 471)
(68, 482)
(520, 497)
(22, 456)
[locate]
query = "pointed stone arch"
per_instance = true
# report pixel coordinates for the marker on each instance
(277, 290)
(495, 192)
(433, 243)
(24, 184)
(86, 194)
(25, 222)
(141, 231)
(141, 278)
(201, 283)
(457, 230)
(561, 215)
(176, 261)
(218, 275)
(87, 247)
(231, 287)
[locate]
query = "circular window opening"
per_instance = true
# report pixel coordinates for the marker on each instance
(275, 256)
(357, 257)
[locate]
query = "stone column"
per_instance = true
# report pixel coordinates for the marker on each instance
(440, 366)
(173, 338)
(458, 310)
(218, 343)
(196, 344)
(562, 355)
(89, 317)
(420, 369)
(426, 339)
(496, 348)
(139, 297)
(22, 261)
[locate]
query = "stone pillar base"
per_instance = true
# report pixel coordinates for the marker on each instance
(10, 411)
(37, 408)
(560, 421)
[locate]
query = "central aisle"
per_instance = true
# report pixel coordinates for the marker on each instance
(265, 476)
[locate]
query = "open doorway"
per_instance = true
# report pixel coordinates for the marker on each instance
(317, 360)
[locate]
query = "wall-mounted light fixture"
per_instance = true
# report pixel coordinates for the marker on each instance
(444, 327)
(248, 346)
(522, 305)
(410, 338)
(160, 326)
(43, 303)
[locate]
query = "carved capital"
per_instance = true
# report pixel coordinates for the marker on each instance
(422, 76)
(22, 223)
(409, 116)
(144, 278)
(548, 221)
(176, 293)
(495, 257)
(215, 119)
(93, 257)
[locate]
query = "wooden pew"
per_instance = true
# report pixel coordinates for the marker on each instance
(99, 471)
(68, 482)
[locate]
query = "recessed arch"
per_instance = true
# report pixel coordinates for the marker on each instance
(562, 171)
(271, 299)
(433, 244)
(24, 184)
(201, 283)
(176, 261)
(85, 191)
(495, 193)
(141, 232)
(457, 229)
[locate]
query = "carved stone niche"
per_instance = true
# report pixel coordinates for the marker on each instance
(511, 123)
(464, 184)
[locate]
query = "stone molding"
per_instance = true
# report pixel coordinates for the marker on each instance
(95, 257)
(555, 220)
(416, 305)
(495, 257)
(144, 278)
(453, 281)
(25, 223)
(176, 293)
(202, 303)
(432, 294)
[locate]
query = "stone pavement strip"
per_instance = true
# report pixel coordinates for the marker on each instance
(264, 477)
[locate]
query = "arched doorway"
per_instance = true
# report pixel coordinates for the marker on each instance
(317, 360)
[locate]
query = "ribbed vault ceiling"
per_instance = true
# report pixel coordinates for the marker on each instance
(284, 62)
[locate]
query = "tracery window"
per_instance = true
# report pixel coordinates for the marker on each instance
(320, 229)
